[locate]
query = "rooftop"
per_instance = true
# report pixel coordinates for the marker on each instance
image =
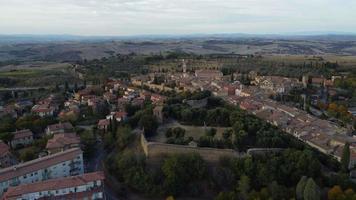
(62, 139)
(37, 164)
(3, 148)
(59, 126)
(54, 184)
(22, 134)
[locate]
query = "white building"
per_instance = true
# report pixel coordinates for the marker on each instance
(86, 186)
(63, 164)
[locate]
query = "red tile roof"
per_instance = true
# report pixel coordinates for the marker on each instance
(120, 114)
(59, 126)
(62, 139)
(43, 108)
(54, 184)
(37, 164)
(22, 134)
(3, 148)
(103, 122)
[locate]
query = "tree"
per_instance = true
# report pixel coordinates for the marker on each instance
(124, 136)
(6, 137)
(170, 198)
(240, 139)
(28, 154)
(243, 187)
(66, 86)
(300, 187)
(226, 196)
(227, 134)
(335, 192)
(278, 191)
(345, 158)
(311, 191)
(211, 132)
(181, 171)
(88, 139)
(75, 86)
(237, 126)
(350, 194)
(149, 123)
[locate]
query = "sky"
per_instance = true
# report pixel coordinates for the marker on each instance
(152, 17)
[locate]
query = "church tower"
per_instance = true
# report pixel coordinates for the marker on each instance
(184, 66)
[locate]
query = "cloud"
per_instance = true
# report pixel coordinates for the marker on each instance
(128, 17)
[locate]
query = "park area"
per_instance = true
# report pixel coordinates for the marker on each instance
(190, 131)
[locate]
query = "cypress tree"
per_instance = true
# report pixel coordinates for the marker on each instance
(300, 188)
(345, 159)
(110, 125)
(311, 191)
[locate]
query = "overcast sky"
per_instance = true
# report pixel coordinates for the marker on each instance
(138, 17)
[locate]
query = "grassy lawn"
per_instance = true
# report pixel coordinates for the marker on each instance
(190, 131)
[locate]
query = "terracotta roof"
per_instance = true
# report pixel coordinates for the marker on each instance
(103, 122)
(37, 164)
(42, 108)
(3, 148)
(22, 134)
(62, 139)
(317, 80)
(59, 126)
(120, 114)
(54, 184)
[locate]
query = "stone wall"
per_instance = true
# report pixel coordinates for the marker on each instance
(157, 149)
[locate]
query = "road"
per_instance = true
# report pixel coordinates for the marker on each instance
(95, 163)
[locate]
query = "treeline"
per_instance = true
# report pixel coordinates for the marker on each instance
(273, 176)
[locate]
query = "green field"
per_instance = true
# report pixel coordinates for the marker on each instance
(20, 73)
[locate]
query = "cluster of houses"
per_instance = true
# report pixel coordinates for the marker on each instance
(323, 135)
(58, 173)
(47, 107)
(130, 95)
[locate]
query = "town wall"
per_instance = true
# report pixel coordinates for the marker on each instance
(157, 149)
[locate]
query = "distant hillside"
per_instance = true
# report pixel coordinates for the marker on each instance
(72, 48)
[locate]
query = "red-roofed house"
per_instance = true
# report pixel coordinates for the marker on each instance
(59, 128)
(62, 142)
(157, 99)
(103, 124)
(86, 186)
(119, 116)
(43, 110)
(6, 157)
(22, 137)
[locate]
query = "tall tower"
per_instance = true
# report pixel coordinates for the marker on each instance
(184, 66)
